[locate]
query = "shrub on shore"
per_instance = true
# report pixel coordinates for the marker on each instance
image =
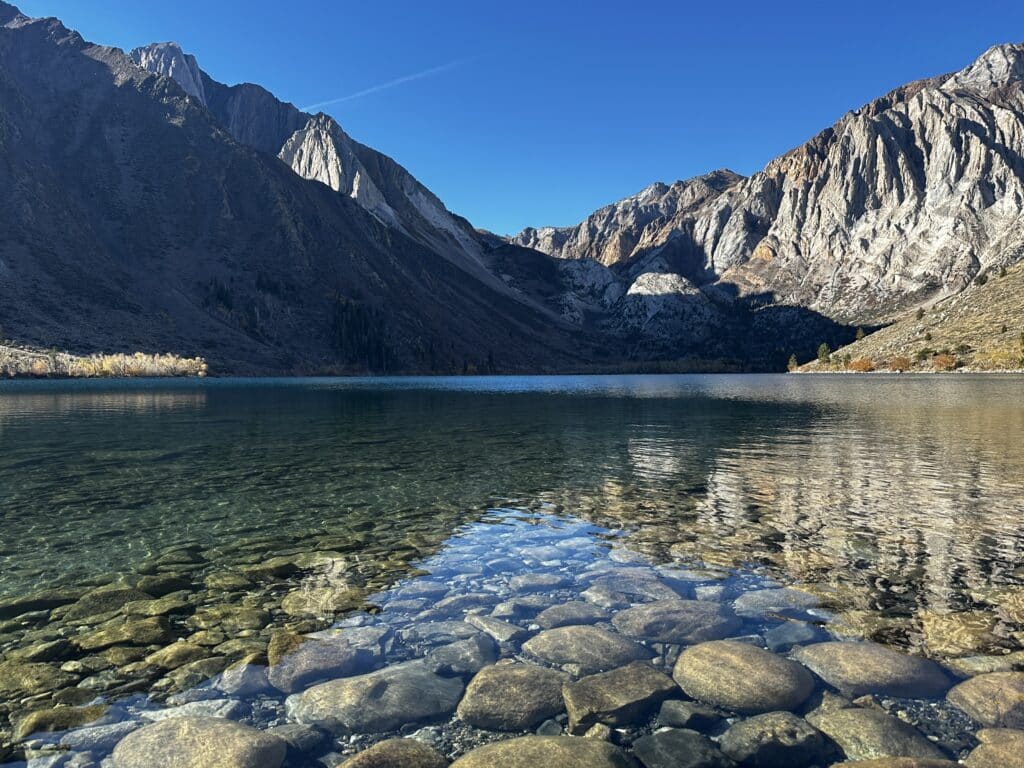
(22, 362)
(862, 365)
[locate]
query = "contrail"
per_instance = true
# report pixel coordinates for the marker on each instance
(389, 84)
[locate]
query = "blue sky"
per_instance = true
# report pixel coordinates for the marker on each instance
(531, 113)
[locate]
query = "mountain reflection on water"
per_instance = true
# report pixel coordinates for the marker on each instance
(895, 493)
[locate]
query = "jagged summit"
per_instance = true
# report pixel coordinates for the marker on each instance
(168, 59)
(1000, 66)
(8, 12)
(902, 201)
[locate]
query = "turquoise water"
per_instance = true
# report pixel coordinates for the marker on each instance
(394, 510)
(916, 480)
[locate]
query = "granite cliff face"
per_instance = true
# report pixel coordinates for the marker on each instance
(902, 201)
(655, 222)
(136, 217)
(155, 208)
(316, 147)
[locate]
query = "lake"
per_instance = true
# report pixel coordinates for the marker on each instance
(229, 512)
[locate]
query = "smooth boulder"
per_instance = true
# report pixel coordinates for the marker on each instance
(897, 762)
(999, 748)
(678, 748)
(538, 751)
(380, 701)
(397, 753)
(297, 661)
(198, 742)
(774, 740)
(742, 677)
(995, 700)
(865, 734)
(588, 649)
(619, 697)
(681, 622)
(567, 614)
(512, 697)
(856, 669)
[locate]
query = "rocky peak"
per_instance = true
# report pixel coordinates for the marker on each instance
(998, 67)
(322, 151)
(169, 60)
(8, 13)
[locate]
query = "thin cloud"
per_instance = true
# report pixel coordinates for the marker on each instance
(389, 84)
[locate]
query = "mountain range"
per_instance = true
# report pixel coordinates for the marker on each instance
(153, 208)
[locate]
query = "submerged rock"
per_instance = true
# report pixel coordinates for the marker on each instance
(792, 633)
(198, 742)
(377, 702)
(536, 751)
(297, 660)
(589, 649)
(512, 697)
(502, 631)
(463, 658)
(681, 622)
(152, 631)
(775, 740)
(688, 714)
(19, 679)
(760, 602)
(999, 748)
(57, 719)
(865, 734)
(676, 748)
(622, 696)
(177, 655)
(104, 600)
(995, 700)
(567, 614)
(397, 753)
(741, 677)
(856, 669)
(18, 605)
(898, 762)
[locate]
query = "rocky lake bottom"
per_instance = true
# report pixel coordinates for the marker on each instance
(635, 606)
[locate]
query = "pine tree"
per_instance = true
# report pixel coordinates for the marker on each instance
(793, 363)
(860, 334)
(824, 352)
